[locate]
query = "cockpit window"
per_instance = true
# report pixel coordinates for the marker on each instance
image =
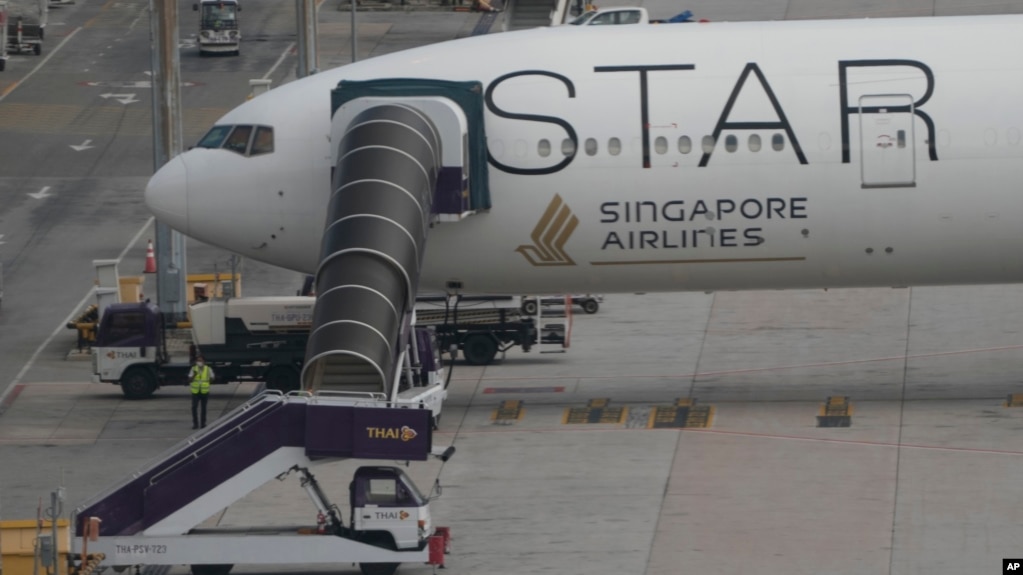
(238, 141)
(215, 137)
(263, 143)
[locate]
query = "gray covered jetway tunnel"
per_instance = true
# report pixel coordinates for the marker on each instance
(410, 153)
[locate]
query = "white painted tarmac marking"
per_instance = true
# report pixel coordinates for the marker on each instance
(284, 54)
(63, 325)
(43, 193)
(122, 98)
(83, 146)
(40, 64)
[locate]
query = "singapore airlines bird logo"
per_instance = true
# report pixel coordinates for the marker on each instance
(549, 236)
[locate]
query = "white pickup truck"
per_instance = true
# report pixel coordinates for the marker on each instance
(624, 15)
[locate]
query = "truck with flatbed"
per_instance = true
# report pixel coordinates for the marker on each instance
(24, 26)
(482, 326)
(589, 302)
(261, 339)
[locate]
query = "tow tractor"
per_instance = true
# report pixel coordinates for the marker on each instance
(153, 517)
(218, 27)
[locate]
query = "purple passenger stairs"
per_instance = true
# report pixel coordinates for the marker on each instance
(269, 435)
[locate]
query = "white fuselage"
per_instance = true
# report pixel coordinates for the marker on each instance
(676, 157)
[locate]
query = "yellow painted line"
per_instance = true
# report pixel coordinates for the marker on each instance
(509, 410)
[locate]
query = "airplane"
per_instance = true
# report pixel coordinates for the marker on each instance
(711, 156)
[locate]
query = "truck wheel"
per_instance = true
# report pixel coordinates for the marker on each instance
(479, 349)
(138, 383)
(3, 64)
(282, 379)
(529, 307)
(590, 306)
(211, 569)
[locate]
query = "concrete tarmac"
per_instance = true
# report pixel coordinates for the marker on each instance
(922, 480)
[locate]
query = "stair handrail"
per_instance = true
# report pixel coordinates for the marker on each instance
(278, 399)
(176, 448)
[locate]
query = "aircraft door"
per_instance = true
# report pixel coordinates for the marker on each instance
(887, 155)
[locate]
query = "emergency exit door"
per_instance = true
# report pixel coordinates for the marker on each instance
(887, 155)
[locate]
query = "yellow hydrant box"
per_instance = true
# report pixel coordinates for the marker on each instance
(18, 546)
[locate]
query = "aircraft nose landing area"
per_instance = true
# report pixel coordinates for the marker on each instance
(167, 194)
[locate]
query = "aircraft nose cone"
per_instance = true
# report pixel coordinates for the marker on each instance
(167, 194)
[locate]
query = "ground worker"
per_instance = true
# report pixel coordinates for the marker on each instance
(200, 375)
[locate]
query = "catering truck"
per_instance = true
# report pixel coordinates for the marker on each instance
(258, 339)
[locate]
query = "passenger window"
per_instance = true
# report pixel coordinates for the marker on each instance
(708, 144)
(731, 143)
(263, 143)
(754, 143)
(238, 141)
(591, 147)
(543, 147)
(567, 147)
(685, 145)
(603, 19)
(778, 142)
(614, 146)
(215, 137)
(661, 145)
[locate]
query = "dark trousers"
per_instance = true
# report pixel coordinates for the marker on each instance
(197, 400)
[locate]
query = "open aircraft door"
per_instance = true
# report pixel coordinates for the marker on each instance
(887, 141)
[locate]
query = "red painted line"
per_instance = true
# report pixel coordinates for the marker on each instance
(548, 389)
(10, 397)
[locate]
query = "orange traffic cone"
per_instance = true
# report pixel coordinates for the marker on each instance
(150, 259)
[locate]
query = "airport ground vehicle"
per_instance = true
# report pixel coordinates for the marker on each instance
(218, 27)
(482, 326)
(155, 515)
(589, 302)
(261, 339)
(242, 339)
(24, 26)
(18, 34)
(625, 15)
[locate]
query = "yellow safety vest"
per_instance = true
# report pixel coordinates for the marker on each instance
(200, 380)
